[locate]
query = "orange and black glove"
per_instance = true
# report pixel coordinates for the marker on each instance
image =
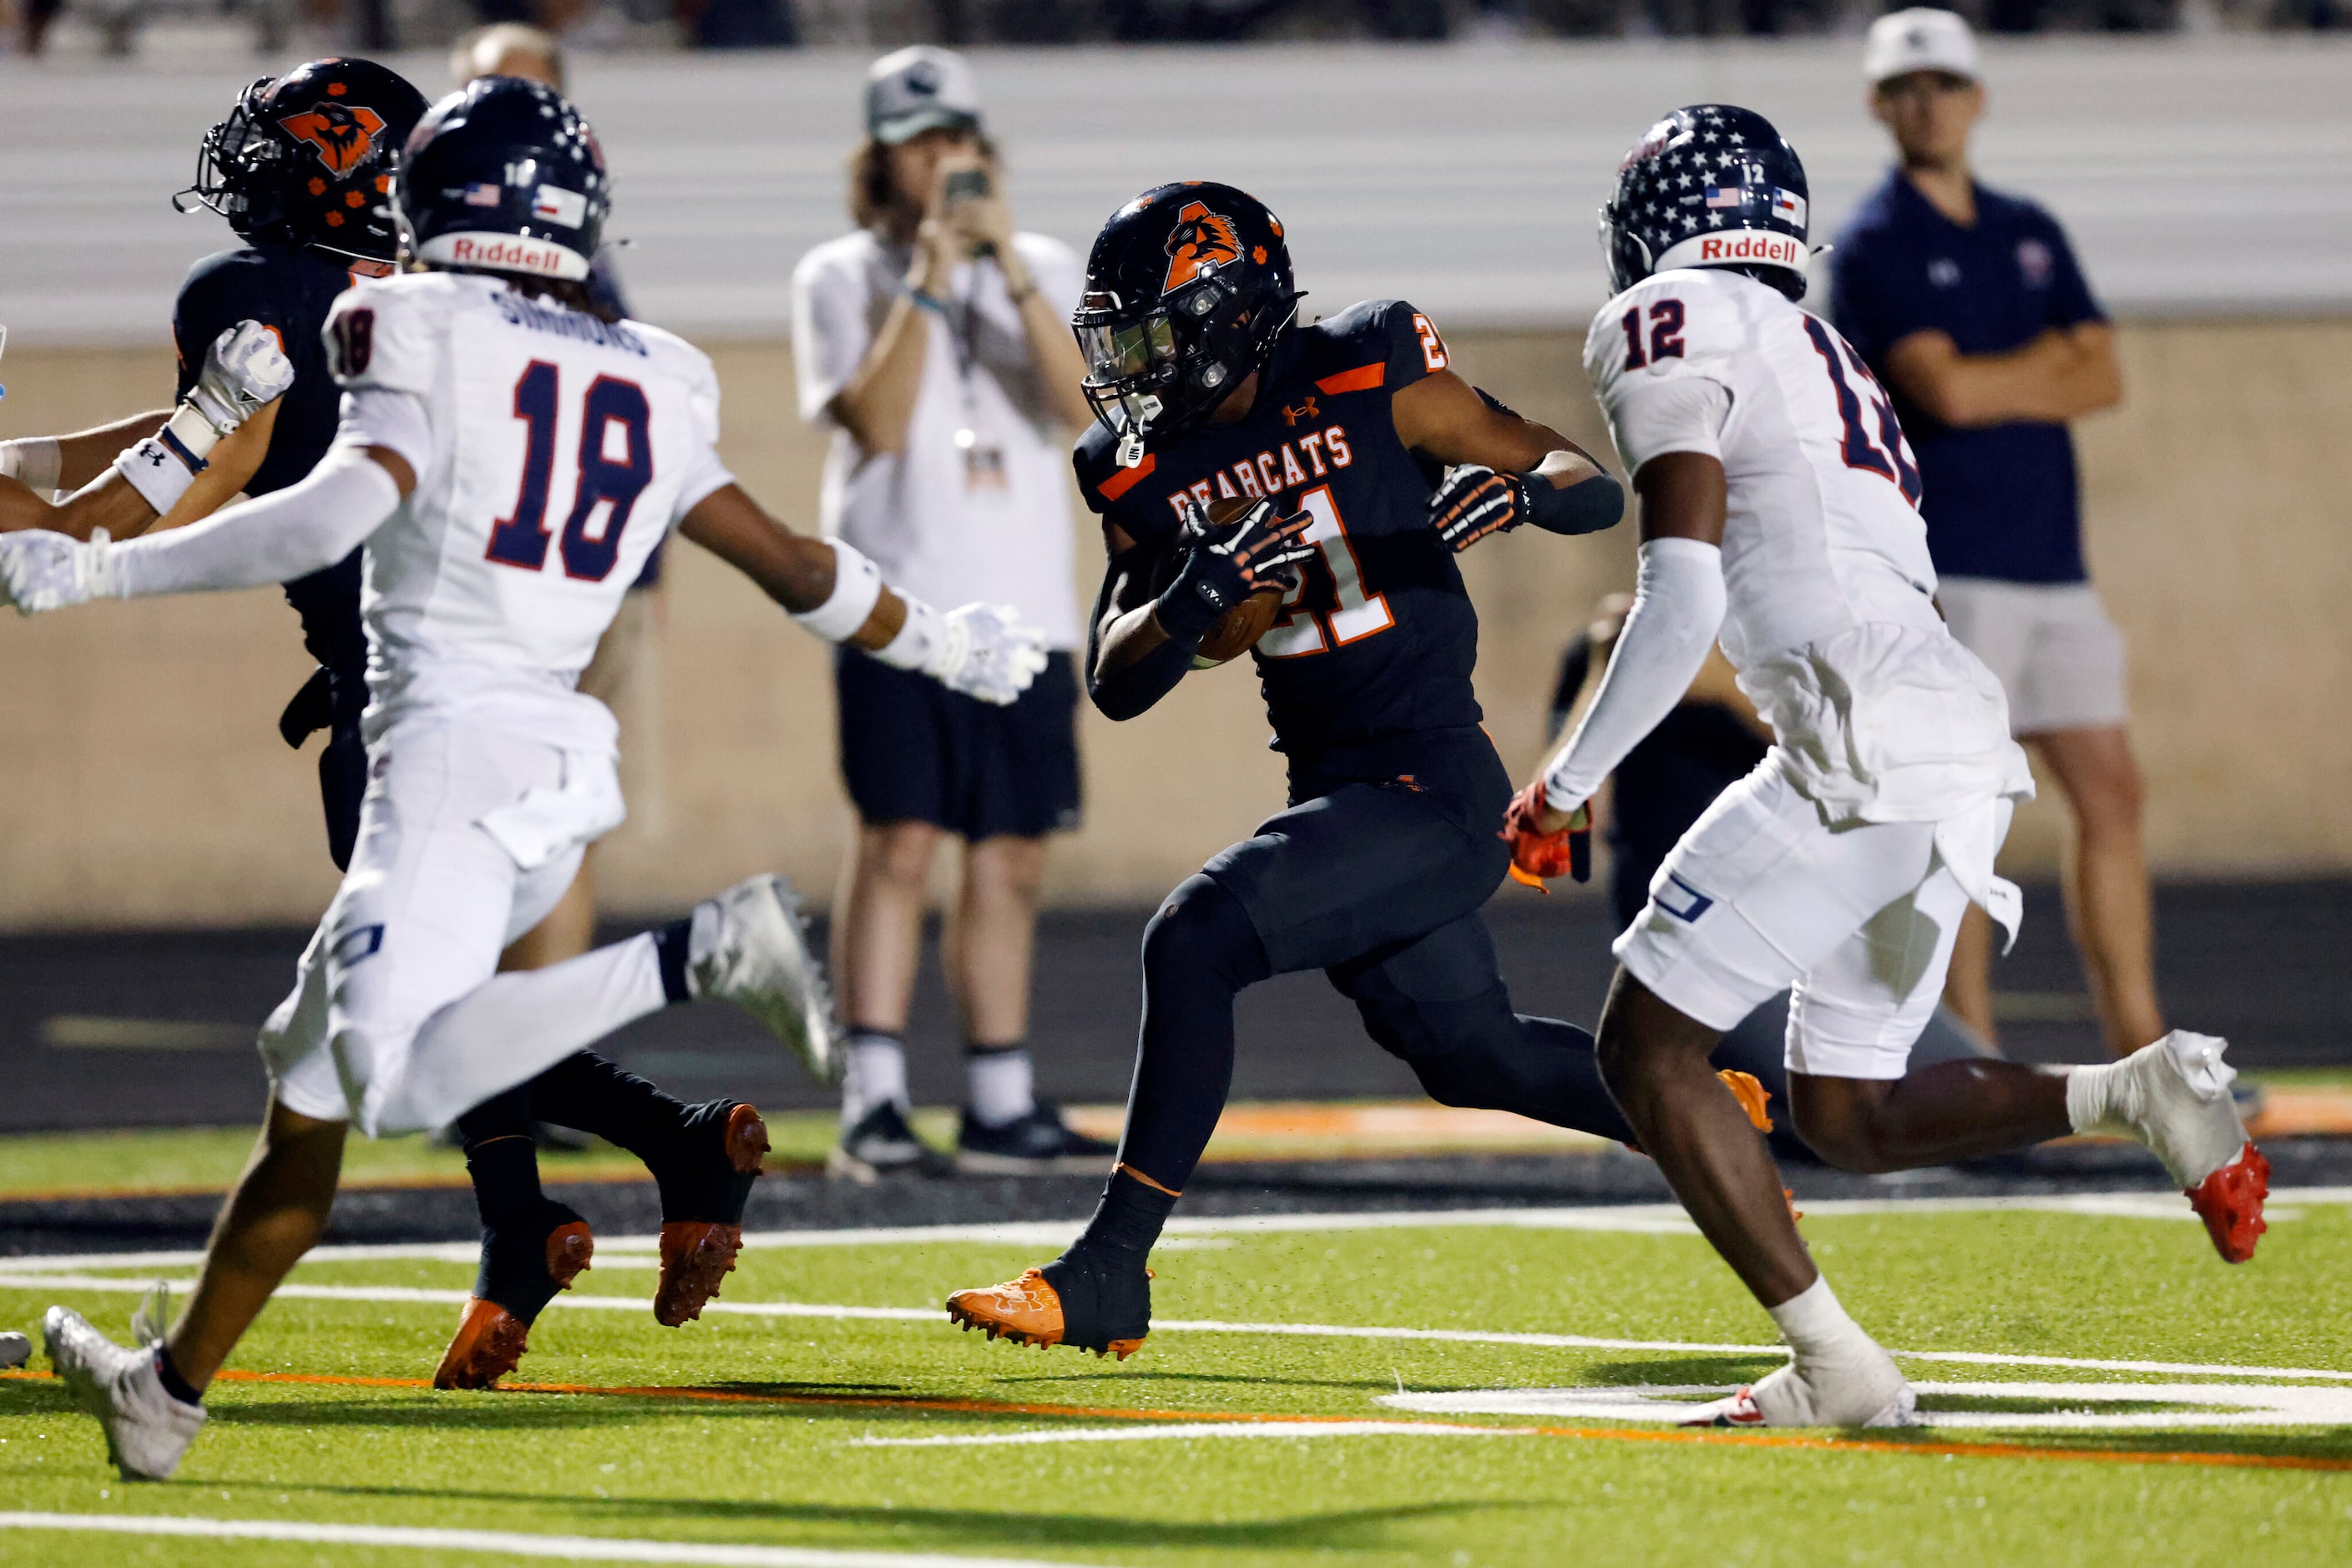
(1537, 856)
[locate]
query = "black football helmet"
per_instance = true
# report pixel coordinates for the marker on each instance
(1710, 185)
(1188, 288)
(503, 176)
(306, 158)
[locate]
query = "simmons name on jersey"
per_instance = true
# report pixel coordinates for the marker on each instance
(1379, 638)
(552, 452)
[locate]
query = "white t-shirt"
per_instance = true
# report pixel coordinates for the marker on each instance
(552, 453)
(977, 505)
(1882, 715)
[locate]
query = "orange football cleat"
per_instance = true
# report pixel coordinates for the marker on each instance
(1752, 1096)
(697, 1256)
(2229, 1202)
(1027, 1310)
(490, 1340)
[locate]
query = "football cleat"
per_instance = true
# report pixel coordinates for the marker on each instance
(16, 1350)
(1029, 1310)
(699, 1247)
(750, 946)
(1040, 1143)
(882, 1144)
(519, 1276)
(1869, 1393)
(147, 1430)
(2175, 1097)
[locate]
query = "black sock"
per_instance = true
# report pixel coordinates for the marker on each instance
(1126, 1226)
(1199, 952)
(169, 1375)
(502, 1157)
(669, 950)
(598, 1096)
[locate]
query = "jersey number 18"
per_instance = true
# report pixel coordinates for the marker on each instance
(521, 540)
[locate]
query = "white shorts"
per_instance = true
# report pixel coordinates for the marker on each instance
(1759, 898)
(2056, 653)
(432, 898)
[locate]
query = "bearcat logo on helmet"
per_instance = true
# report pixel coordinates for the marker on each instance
(341, 134)
(1200, 238)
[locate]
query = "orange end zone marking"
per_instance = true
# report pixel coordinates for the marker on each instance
(1114, 1412)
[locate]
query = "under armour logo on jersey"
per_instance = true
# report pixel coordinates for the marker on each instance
(340, 133)
(1305, 410)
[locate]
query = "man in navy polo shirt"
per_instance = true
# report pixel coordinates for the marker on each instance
(1969, 304)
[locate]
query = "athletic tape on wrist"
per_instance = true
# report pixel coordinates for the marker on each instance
(34, 462)
(919, 642)
(857, 585)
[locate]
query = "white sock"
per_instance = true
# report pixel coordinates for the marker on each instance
(874, 1073)
(1816, 1325)
(2099, 1098)
(1004, 1085)
(509, 1029)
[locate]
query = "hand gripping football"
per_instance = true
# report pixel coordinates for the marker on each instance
(1238, 630)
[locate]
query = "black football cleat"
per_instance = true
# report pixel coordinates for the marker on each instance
(883, 1144)
(1040, 1143)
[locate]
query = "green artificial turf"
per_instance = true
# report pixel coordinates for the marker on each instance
(789, 1466)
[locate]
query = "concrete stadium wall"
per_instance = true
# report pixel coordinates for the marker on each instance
(141, 781)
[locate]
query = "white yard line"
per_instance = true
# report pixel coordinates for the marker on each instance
(64, 1283)
(510, 1544)
(1190, 1431)
(1640, 1219)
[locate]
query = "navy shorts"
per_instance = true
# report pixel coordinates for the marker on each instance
(912, 751)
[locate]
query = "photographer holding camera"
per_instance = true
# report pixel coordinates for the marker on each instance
(935, 340)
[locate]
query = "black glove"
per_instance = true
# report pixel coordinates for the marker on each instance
(1475, 502)
(311, 710)
(1225, 563)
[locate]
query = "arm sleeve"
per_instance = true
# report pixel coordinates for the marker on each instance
(831, 332)
(275, 537)
(1678, 604)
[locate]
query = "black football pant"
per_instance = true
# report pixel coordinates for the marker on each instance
(1375, 876)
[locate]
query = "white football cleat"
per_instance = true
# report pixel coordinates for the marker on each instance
(147, 1430)
(750, 946)
(16, 1350)
(1868, 1390)
(2174, 1096)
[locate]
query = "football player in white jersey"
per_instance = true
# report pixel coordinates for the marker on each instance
(1779, 514)
(509, 458)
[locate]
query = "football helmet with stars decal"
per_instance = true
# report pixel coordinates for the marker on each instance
(1709, 185)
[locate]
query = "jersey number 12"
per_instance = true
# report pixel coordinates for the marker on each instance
(521, 539)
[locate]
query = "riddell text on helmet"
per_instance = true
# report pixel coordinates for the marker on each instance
(519, 255)
(1778, 249)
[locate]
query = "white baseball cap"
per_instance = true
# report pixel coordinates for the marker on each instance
(1920, 39)
(918, 90)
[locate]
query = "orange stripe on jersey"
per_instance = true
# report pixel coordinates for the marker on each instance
(1126, 480)
(1363, 378)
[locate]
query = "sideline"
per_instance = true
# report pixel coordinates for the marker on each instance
(512, 1543)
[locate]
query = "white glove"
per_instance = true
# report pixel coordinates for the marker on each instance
(243, 369)
(43, 571)
(987, 652)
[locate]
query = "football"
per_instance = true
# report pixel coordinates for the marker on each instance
(1239, 629)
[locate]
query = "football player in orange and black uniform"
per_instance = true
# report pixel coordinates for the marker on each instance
(1358, 463)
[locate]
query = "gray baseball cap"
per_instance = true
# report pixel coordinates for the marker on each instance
(918, 90)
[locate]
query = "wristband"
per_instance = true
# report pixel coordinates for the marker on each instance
(857, 585)
(1586, 507)
(930, 302)
(1183, 612)
(34, 462)
(919, 642)
(163, 467)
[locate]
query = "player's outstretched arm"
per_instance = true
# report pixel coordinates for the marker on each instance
(983, 650)
(1507, 469)
(1678, 607)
